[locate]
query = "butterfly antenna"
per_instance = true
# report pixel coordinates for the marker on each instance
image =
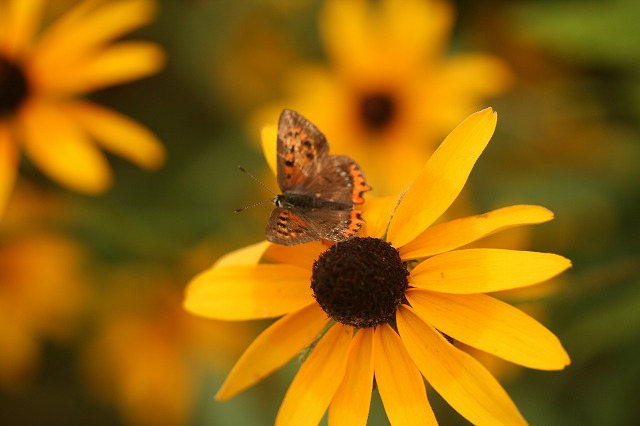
(242, 169)
(250, 207)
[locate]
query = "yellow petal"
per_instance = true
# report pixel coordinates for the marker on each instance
(22, 20)
(476, 73)
(461, 82)
(269, 137)
(119, 134)
(461, 380)
(59, 147)
(8, 165)
(124, 62)
(315, 384)
(377, 213)
(456, 233)
(86, 28)
(273, 348)
(249, 255)
(442, 178)
(4, 25)
(422, 27)
(350, 405)
(356, 33)
(492, 326)
(343, 27)
(248, 292)
(399, 381)
(301, 255)
(486, 270)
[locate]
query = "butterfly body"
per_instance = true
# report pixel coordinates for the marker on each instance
(292, 200)
(319, 191)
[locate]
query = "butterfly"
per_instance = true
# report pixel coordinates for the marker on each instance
(319, 190)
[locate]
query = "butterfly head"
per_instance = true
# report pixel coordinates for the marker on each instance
(278, 200)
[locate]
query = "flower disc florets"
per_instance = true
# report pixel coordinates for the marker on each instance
(360, 282)
(13, 86)
(377, 110)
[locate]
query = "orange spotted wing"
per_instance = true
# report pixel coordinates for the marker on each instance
(319, 190)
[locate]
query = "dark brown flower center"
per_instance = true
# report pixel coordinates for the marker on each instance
(377, 110)
(14, 87)
(360, 282)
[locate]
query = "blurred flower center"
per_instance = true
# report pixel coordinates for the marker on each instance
(360, 282)
(14, 87)
(377, 110)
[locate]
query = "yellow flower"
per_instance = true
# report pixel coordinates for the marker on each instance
(42, 76)
(146, 355)
(388, 305)
(388, 92)
(43, 285)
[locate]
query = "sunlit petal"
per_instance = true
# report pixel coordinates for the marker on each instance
(22, 20)
(456, 233)
(461, 81)
(117, 64)
(422, 27)
(351, 32)
(249, 255)
(461, 380)
(442, 178)
(315, 384)
(8, 165)
(355, 32)
(87, 28)
(61, 149)
(248, 292)
(486, 270)
(301, 255)
(4, 29)
(477, 73)
(350, 405)
(492, 326)
(273, 348)
(377, 213)
(118, 133)
(399, 381)
(350, 18)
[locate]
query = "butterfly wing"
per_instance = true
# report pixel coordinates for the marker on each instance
(332, 225)
(339, 180)
(301, 149)
(306, 168)
(286, 228)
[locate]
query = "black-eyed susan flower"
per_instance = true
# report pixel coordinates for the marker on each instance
(42, 75)
(43, 293)
(147, 355)
(388, 306)
(388, 93)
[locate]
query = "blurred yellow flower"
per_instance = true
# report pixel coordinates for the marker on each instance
(41, 296)
(42, 76)
(396, 297)
(147, 355)
(389, 93)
